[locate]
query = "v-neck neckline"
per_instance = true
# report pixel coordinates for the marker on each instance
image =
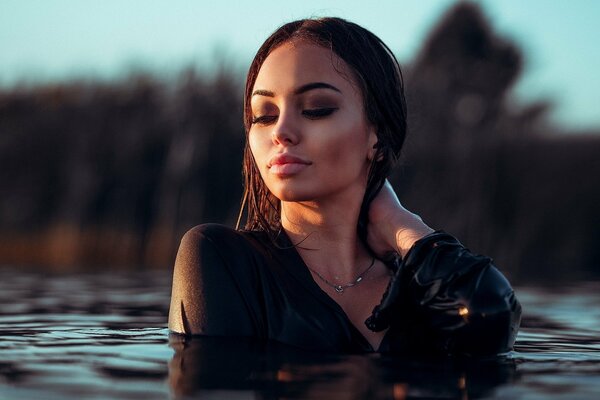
(307, 280)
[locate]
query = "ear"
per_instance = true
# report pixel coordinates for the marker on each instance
(373, 142)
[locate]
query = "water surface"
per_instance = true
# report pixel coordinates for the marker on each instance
(104, 336)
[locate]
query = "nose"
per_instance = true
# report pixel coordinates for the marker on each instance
(285, 131)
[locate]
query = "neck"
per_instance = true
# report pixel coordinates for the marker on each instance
(326, 237)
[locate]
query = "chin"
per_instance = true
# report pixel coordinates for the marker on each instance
(293, 194)
(292, 197)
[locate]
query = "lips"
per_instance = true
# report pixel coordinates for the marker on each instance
(287, 164)
(282, 159)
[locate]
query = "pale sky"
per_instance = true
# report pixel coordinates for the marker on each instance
(46, 40)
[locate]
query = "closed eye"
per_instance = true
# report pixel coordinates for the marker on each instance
(313, 113)
(264, 119)
(316, 113)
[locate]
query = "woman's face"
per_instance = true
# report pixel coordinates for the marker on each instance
(310, 137)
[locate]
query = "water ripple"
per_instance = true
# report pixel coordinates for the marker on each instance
(104, 335)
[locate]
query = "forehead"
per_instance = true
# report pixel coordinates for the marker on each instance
(296, 63)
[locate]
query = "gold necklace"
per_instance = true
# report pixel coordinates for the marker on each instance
(340, 288)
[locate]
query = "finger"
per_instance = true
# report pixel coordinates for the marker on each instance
(381, 315)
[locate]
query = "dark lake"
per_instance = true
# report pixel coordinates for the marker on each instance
(103, 335)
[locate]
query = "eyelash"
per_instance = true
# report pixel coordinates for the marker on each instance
(263, 119)
(314, 113)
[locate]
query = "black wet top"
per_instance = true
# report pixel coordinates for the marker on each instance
(441, 298)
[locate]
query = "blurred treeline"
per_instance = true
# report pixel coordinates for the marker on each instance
(96, 174)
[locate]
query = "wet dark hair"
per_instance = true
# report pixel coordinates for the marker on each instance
(378, 75)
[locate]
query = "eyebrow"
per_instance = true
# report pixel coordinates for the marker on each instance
(300, 90)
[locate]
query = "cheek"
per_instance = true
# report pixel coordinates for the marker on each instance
(347, 149)
(260, 153)
(256, 147)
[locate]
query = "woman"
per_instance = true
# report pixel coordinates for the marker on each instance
(329, 259)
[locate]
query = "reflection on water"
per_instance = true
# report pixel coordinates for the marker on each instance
(200, 366)
(104, 336)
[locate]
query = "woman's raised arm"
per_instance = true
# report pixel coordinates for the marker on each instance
(441, 295)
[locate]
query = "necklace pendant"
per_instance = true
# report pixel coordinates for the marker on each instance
(339, 288)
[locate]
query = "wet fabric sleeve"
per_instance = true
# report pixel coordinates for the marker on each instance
(207, 298)
(443, 298)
